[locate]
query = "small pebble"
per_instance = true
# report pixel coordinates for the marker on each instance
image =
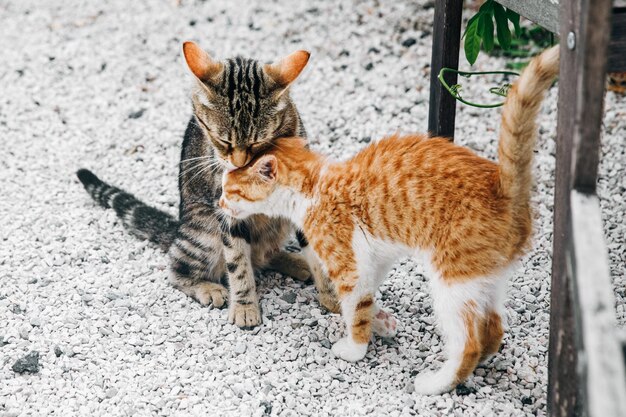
(25, 331)
(408, 42)
(27, 364)
(240, 348)
(57, 351)
(289, 297)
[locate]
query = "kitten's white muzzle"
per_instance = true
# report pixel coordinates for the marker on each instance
(228, 209)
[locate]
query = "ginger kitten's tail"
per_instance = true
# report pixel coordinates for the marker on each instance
(519, 128)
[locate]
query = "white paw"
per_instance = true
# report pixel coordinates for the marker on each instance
(385, 324)
(349, 351)
(432, 383)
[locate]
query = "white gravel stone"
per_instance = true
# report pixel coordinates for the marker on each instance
(102, 85)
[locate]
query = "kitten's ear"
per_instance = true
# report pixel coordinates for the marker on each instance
(200, 63)
(285, 71)
(266, 167)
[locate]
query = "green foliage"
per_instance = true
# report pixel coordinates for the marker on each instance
(480, 29)
(487, 32)
(472, 42)
(455, 89)
(490, 29)
(502, 26)
(531, 41)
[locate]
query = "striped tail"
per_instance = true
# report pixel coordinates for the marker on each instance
(141, 219)
(519, 126)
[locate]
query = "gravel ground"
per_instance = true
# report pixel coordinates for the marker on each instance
(102, 85)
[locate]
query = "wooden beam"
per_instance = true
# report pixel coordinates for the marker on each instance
(445, 53)
(545, 13)
(601, 361)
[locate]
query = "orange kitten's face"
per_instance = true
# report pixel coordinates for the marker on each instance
(248, 190)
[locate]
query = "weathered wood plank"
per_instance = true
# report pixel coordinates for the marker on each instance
(601, 364)
(445, 53)
(617, 46)
(592, 46)
(562, 381)
(545, 13)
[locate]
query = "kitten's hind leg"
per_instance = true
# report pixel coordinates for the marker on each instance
(197, 265)
(291, 264)
(459, 309)
(492, 334)
(384, 324)
(493, 321)
(206, 293)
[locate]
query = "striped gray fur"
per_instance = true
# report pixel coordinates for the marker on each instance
(145, 221)
(238, 112)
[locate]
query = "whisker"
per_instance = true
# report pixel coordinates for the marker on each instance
(213, 164)
(199, 168)
(192, 168)
(199, 157)
(204, 169)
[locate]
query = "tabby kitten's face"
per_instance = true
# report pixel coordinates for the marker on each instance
(243, 105)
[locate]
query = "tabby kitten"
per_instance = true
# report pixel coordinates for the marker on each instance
(240, 108)
(466, 217)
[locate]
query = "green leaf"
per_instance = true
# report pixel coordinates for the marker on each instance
(472, 42)
(479, 27)
(486, 23)
(514, 18)
(487, 7)
(469, 22)
(502, 26)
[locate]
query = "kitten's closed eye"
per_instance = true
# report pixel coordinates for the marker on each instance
(259, 147)
(214, 136)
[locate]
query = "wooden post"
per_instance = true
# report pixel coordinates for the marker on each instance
(581, 91)
(562, 378)
(445, 53)
(591, 80)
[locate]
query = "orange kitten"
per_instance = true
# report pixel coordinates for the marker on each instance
(466, 217)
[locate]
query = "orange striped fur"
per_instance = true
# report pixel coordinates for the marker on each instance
(467, 217)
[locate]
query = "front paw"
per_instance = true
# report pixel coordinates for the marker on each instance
(348, 350)
(245, 316)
